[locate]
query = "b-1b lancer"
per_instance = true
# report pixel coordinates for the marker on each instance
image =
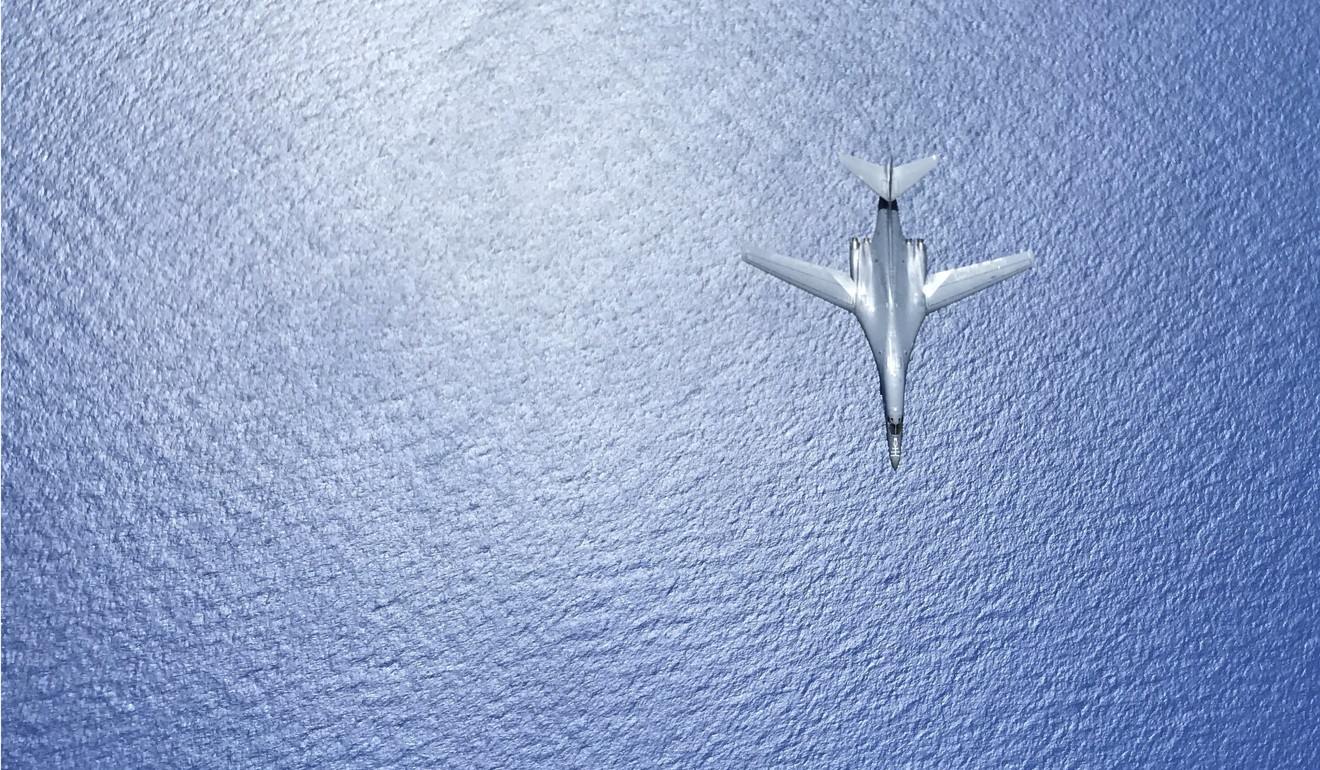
(887, 287)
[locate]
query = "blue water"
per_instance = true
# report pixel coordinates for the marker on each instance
(381, 388)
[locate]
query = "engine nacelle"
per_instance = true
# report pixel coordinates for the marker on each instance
(917, 249)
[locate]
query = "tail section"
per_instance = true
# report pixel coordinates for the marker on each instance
(945, 288)
(890, 181)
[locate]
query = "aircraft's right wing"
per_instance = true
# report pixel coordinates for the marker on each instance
(949, 286)
(830, 285)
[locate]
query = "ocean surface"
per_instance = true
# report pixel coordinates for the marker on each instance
(381, 387)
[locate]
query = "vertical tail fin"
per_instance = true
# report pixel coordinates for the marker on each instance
(889, 182)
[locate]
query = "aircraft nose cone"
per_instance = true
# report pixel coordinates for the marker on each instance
(895, 442)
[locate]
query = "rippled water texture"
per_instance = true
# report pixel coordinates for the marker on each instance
(381, 388)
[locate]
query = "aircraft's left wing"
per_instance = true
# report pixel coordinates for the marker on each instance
(830, 285)
(949, 286)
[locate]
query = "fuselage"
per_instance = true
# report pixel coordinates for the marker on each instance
(889, 271)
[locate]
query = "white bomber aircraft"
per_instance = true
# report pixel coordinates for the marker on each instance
(888, 288)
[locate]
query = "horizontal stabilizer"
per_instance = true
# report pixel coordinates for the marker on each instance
(949, 286)
(889, 182)
(830, 285)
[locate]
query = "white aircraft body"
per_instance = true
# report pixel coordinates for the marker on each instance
(888, 288)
